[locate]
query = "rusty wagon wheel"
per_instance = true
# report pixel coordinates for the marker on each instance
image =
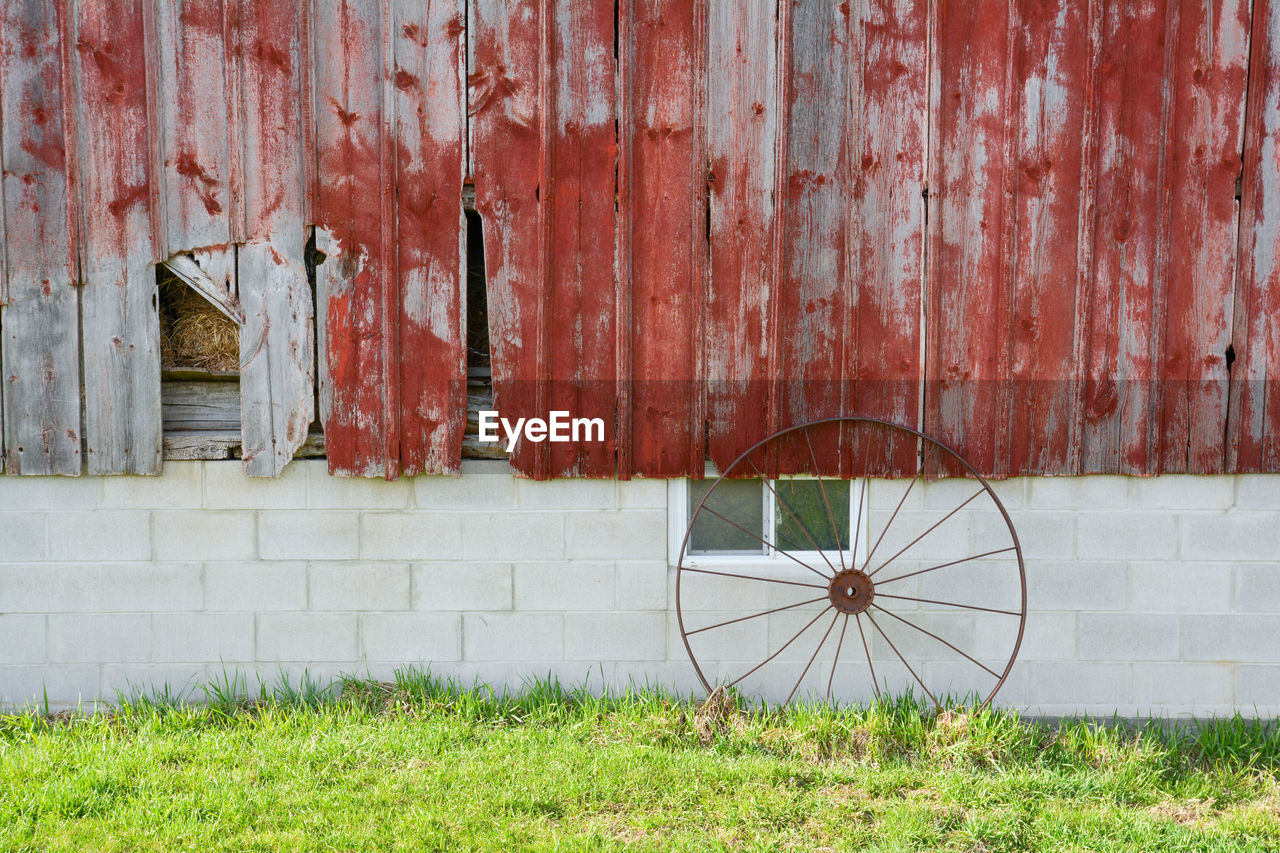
(834, 585)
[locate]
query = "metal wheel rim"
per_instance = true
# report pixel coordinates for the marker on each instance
(919, 436)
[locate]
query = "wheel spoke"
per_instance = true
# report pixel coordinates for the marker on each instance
(822, 488)
(752, 577)
(836, 660)
(936, 703)
(754, 615)
(857, 527)
(930, 530)
(781, 650)
(875, 685)
(889, 524)
(944, 565)
(939, 639)
(777, 497)
(950, 604)
(812, 658)
(733, 523)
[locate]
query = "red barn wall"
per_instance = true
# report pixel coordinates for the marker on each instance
(1043, 232)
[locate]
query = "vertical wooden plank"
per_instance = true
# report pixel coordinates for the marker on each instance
(276, 339)
(116, 202)
(354, 142)
(581, 231)
(1207, 80)
(1051, 74)
(1119, 360)
(544, 145)
(968, 301)
(192, 93)
(662, 226)
(507, 103)
(853, 222)
(1253, 437)
(39, 332)
(887, 252)
(817, 292)
(742, 114)
(429, 80)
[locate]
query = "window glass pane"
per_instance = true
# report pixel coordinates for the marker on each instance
(805, 500)
(739, 500)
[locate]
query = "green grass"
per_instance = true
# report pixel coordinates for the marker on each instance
(422, 764)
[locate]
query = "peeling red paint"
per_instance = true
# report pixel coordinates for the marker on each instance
(1085, 271)
(396, 364)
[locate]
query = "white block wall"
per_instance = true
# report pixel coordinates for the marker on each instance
(1156, 596)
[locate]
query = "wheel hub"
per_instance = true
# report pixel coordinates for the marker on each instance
(851, 591)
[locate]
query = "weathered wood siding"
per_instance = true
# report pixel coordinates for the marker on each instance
(39, 325)
(544, 155)
(1253, 437)
(111, 76)
(391, 133)
(1044, 232)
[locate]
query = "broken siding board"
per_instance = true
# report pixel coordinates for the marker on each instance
(662, 234)
(276, 378)
(192, 93)
(1207, 81)
(742, 120)
(430, 133)
(508, 99)
(276, 340)
(353, 135)
(1253, 437)
(39, 340)
(218, 293)
(120, 326)
(852, 225)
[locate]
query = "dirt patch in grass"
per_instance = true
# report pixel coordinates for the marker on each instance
(1193, 812)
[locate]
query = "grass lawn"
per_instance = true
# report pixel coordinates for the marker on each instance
(421, 765)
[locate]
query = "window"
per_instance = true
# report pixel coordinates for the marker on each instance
(754, 519)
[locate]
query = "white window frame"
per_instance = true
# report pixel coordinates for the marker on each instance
(678, 516)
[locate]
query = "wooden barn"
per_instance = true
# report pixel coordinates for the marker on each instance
(508, 338)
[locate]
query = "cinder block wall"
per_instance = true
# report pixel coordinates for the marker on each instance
(1147, 596)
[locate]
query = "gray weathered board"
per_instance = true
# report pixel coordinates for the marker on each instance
(202, 420)
(131, 132)
(39, 344)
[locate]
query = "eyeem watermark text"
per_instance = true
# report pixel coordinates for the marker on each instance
(558, 427)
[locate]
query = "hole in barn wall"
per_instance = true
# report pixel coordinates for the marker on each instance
(200, 373)
(196, 337)
(479, 359)
(313, 258)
